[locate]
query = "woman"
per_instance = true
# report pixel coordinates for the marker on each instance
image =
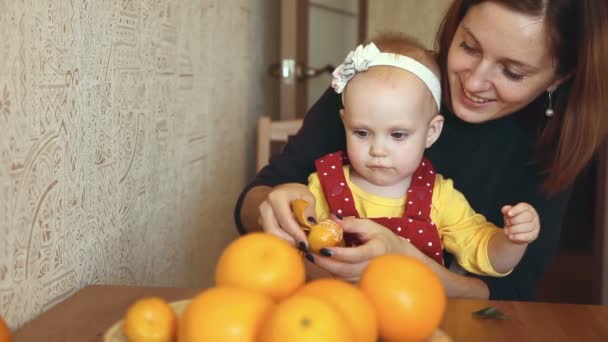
(525, 90)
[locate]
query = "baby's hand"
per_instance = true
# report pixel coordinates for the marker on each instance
(522, 224)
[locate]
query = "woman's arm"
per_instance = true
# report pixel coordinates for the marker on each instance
(322, 132)
(456, 285)
(250, 213)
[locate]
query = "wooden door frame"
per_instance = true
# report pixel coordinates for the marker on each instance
(294, 20)
(362, 18)
(293, 23)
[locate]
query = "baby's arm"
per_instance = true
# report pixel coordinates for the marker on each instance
(522, 226)
(479, 245)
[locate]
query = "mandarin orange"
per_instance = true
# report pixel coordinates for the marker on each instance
(150, 319)
(350, 301)
(227, 314)
(408, 297)
(5, 332)
(261, 262)
(305, 318)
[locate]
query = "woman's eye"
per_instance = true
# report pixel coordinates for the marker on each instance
(399, 135)
(360, 133)
(468, 48)
(512, 75)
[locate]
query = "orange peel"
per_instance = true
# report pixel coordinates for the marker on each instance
(297, 207)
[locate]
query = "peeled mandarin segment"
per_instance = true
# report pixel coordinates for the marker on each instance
(326, 233)
(297, 207)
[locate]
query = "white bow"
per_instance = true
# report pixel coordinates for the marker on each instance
(356, 61)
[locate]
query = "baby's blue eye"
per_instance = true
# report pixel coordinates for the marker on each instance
(399, 135)
(361, 133)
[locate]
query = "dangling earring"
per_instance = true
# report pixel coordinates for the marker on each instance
(549, 112)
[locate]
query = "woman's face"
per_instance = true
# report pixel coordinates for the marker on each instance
(499, 61)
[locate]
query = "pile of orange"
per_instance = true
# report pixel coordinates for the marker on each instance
(261, 294)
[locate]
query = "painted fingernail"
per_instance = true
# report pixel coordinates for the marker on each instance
(326, 252)
(302, 246)
(310, 257)
(311, 220)
(338, 216)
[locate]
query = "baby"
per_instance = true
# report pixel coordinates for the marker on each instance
(392, 97)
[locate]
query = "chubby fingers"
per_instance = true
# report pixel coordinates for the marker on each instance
(518, 214)
(522, 223)
(522, 233)
(519, 208)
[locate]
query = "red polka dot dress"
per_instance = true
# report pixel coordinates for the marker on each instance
(415, 225)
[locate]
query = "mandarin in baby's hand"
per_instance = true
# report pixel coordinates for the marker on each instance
(326, 233)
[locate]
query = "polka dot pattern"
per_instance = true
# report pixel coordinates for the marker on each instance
(415, 225)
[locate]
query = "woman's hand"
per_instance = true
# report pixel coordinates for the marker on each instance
(348, 262)
(276, 217)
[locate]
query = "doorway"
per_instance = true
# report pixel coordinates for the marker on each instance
(315, 37)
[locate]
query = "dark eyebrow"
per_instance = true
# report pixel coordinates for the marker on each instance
(522, 65)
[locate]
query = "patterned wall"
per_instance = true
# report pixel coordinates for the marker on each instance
(126, 135)
(420, 19)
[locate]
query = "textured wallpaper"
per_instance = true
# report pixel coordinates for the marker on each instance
(126, 134)
(420, 19)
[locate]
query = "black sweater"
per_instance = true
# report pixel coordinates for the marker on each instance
(490, 163)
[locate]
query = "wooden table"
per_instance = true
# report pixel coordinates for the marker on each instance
(86, 315)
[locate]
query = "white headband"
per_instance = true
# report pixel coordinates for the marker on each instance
(367, 56)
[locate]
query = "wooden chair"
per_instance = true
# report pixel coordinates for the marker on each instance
(273, 131)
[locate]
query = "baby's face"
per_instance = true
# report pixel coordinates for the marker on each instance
(387, 115)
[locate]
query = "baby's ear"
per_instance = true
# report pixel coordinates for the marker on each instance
(435, 127)
(342, 113)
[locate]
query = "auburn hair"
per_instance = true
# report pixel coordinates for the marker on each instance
(578, 36)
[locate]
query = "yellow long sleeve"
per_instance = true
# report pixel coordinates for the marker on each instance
(463, 232)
